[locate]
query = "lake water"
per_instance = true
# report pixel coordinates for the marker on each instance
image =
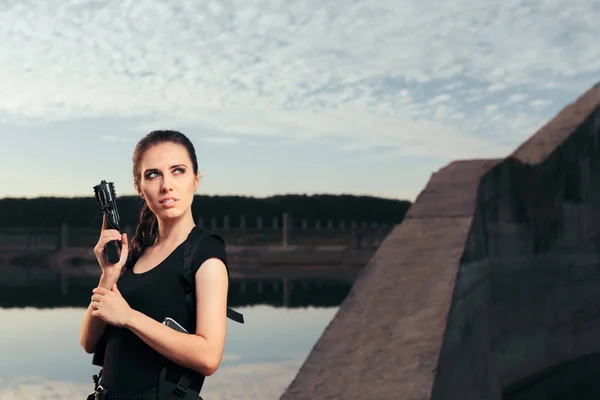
(41, 357)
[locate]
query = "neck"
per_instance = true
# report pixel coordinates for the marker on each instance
(174, 231)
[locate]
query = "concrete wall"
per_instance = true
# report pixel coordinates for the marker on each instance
(550, 208)
(514, 317)
(527, 293)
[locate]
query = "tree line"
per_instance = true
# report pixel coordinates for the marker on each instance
(84, 212)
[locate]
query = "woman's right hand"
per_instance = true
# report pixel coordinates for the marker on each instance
(107, 235)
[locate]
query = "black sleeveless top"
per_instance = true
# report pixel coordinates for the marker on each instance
(129, 363)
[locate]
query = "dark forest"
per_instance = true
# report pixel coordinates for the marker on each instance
(85, 212)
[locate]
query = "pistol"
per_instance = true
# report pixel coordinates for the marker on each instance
(107, 198)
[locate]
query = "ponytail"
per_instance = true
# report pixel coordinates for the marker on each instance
(145, 233)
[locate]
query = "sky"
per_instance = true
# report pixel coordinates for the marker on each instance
(339, 97)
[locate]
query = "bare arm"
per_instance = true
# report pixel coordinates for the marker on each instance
(92, 327)
(202, 351)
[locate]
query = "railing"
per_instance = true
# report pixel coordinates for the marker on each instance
(291, 232)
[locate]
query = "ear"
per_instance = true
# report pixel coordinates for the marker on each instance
(139, 192)
(197, 181)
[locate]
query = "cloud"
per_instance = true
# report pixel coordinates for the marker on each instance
(540, 103)
(515, 98)
(253, 381)
(114, 138)
(429, 78)
(219, 140)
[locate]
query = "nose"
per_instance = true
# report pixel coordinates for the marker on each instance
(166, 184)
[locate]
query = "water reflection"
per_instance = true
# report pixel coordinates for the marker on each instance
(42, 359)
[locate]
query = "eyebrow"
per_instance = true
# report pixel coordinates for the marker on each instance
(172, 166)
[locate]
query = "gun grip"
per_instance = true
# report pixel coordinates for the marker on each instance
(113, 251)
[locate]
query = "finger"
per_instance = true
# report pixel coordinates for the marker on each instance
(111, 234)
(97, 297)
(100, 290)
(124, 249)
(95, 304)
(103, 241)
(115, 288)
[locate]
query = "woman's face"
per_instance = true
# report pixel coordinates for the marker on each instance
(167, 180)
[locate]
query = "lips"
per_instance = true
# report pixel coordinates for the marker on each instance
(168, 200)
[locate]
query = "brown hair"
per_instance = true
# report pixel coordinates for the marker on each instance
(147, 229)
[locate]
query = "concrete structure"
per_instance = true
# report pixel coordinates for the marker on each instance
(490, 287)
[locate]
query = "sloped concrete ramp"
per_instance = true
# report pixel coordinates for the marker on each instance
(388, 331)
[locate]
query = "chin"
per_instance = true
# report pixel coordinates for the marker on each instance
(170, 213)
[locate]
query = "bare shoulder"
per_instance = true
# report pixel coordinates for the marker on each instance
(212, 268)
(212, 281)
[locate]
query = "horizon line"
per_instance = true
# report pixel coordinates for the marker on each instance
(80, 196)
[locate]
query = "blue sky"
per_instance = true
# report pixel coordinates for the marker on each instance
(282, 96)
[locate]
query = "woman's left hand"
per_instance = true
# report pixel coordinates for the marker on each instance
(110, 306)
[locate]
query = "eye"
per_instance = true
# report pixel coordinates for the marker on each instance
(150, 175)
(179, 170)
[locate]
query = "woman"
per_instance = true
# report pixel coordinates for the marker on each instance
(136, 294)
